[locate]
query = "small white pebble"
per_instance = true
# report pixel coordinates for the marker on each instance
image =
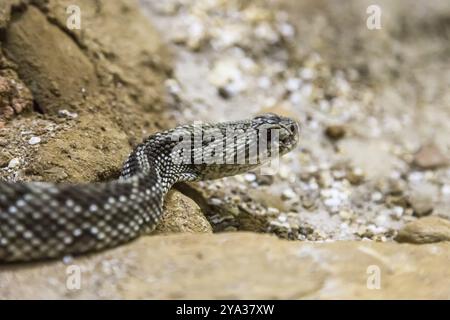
(293, 84)
(332, 202)
(288, 194)
(377, 196)
(14, 163)
(250, 177)
(67, 259)
(287, 30)
(215, 201)
(34, 140)
(67, 114)
(397, 211)
(446, 190)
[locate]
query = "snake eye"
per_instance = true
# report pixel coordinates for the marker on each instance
(293, 128)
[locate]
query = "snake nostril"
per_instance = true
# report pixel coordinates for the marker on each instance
(293, 128)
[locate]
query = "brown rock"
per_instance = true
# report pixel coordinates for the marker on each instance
(430, 157)
(44, 66)
(335, 132)
(240, 266)
(425, 230)
(182, 214)
(355, 177)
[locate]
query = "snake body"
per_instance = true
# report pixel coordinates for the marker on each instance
(41, 220)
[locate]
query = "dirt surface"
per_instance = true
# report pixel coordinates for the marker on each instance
(80, 99)
(373, 106)
(247, 266)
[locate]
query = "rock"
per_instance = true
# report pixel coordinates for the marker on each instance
(355, 176)
(28, 43)
(425, 230)
(182, 214)
(430, 157)
(13, 163)
(288, 194)
(346, 215)
(335, 132)
(67, 114)
(34, 140)
(397, 200)
(239, 266)
(422, 205)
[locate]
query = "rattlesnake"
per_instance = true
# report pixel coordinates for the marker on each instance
(41, 220)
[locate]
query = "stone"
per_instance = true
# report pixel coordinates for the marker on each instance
(355, 176)
(13, 163)
(421, 205)
(34, 140)
(430, 157)
(67, 114)
(288, 194)
(335, 132)
(425, 230)
(181, 215)
(238, 265)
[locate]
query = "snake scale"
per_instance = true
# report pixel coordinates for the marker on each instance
(41, 220)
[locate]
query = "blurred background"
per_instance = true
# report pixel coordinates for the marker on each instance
(374, 107)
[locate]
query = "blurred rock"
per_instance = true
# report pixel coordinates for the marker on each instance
(423, 197)
(430, 157)
(425, 230)
(422, 205)
(355, 176)
(335, 132)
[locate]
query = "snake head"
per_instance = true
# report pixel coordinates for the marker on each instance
(211, 151)
(282, 132)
